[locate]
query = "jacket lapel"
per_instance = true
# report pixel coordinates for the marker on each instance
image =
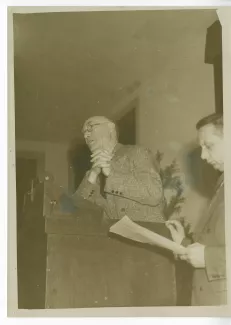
(204, 220)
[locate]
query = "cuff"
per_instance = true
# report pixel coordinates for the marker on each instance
(215, 262)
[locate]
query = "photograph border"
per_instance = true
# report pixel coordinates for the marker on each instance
(224, 14)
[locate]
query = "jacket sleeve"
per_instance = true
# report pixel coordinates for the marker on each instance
(215, 262)
(89, 192)
(140, 182)
(215, 255)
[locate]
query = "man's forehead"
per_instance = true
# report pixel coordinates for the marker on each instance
(95, 120)
(207, 130)
(209, 133)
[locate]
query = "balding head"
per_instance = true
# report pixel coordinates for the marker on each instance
(100, 133)
(96, 120)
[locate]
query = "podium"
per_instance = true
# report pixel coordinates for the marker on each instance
(72, 261)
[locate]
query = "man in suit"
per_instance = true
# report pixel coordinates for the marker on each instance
(206, 251)
(123, 179)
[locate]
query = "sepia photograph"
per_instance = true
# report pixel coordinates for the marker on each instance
(119, 159)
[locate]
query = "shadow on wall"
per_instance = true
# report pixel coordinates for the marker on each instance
(201, 176)
(213, 55)
(79, 157)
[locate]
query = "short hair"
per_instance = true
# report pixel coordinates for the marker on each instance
(214, 119)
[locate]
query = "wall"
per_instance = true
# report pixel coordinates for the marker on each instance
(170, 51)
(56, 160)
(170, 106)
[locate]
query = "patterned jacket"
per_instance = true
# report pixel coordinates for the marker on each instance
(133, 188)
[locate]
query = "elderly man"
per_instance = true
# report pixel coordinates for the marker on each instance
(207, 253)
(124, 179)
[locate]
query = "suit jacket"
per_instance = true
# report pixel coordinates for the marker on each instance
(133, 188)
(209, 283)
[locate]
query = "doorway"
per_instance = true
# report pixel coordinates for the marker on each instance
(26, 170)
(31, 236)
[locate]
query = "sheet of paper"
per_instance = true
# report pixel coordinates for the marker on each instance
(129, 229)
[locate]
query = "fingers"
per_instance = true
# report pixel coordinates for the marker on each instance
(190, 256)
(106, 171)
(96, 152)
(195, 245)
(101, 156)
(171, 228)
(174, 223)
(183, 255)
(100, 152)
(187, 256)
(176, 256)
(194, 250)
(96, 170)
(101, 164)
(101, 159)
(184, 258)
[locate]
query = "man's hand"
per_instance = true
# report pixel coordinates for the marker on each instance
(101, 159)
(100, 162)
(176, 230)
(195, 255)
(93, 174)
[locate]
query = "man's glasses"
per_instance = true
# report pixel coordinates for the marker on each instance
(90, 127)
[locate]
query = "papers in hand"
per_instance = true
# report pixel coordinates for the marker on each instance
(129, 229)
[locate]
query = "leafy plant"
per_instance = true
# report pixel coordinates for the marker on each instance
(172, 181)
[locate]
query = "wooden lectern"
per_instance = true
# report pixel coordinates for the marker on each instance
(69, 260)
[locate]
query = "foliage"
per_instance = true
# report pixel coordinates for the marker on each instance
(171, 180)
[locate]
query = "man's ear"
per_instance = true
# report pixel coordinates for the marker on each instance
(111, 127)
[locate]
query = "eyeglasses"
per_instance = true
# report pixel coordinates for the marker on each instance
(90, 127)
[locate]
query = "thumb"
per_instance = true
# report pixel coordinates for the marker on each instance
(176, 224)
(171, 228)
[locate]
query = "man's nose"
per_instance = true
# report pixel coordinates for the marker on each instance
(203, 154)
(86, 134)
